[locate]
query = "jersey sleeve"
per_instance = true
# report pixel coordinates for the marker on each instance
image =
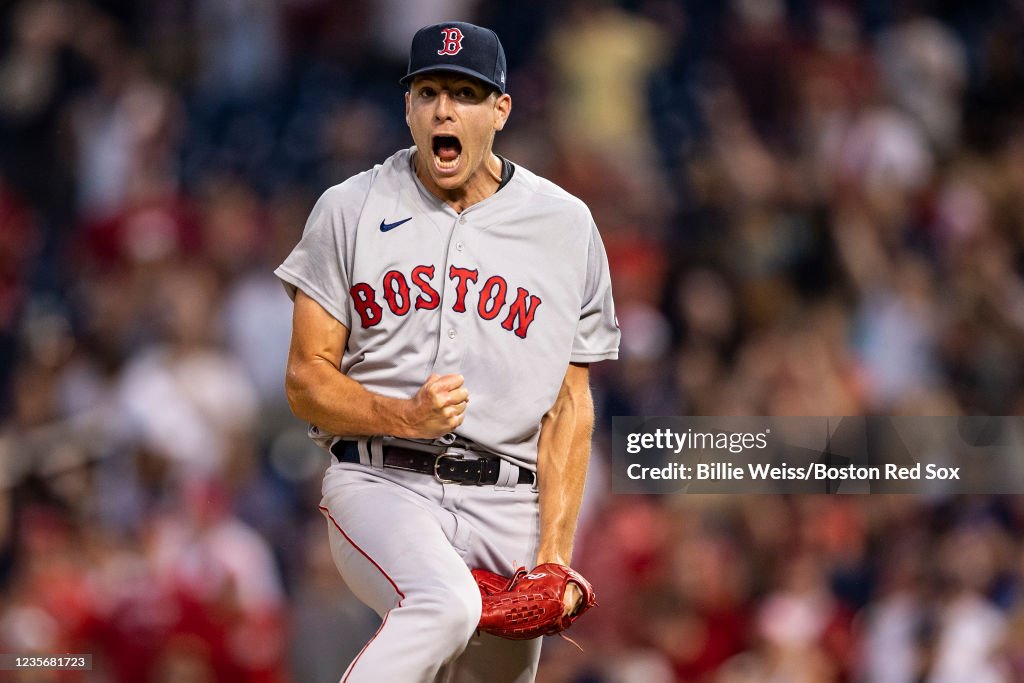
(597, 334)
(317, 264)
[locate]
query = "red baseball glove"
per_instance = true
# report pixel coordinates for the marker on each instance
(490, 582)
(530, 605)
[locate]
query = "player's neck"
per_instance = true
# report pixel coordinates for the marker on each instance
(482, 184)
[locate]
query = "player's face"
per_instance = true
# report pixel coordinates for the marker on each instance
(453, 120)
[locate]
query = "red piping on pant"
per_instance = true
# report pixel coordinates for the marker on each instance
(352, 666)
(401, 595)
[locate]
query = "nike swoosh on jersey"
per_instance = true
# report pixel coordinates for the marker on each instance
(384, 227)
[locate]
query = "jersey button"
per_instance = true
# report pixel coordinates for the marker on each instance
(462, 220)
(458, 245)
(451, 334)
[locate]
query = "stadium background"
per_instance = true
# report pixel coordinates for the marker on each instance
(810, 208)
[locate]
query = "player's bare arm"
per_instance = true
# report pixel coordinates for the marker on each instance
(563, 452)
(321, 394)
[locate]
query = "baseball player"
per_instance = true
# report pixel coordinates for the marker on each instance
(447, 304)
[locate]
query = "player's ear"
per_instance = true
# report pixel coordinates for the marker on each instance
(502, 108)
(407, 108)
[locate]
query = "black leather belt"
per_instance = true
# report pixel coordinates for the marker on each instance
(447, 468)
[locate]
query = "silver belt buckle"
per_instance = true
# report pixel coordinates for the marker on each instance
(437, 464)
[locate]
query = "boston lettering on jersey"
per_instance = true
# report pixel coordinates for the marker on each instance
(492, 297)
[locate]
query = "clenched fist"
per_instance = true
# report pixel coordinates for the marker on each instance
(437, 408)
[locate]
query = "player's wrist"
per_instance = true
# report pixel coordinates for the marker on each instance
(395, 416)
(553, 557)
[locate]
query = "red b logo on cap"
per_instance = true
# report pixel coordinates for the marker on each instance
(452, 41)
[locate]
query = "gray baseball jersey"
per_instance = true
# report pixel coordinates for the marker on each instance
(507, 293)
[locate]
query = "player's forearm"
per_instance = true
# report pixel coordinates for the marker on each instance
(562, 458)
(322, 395)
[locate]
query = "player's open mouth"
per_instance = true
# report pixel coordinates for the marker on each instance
(447, 152)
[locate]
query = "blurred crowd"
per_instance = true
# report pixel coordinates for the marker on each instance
(811, 207)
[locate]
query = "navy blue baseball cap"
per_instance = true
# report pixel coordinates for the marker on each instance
(458, 47)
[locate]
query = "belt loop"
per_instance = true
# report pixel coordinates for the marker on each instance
(508, 475)
(375, 445)
(362, 445)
